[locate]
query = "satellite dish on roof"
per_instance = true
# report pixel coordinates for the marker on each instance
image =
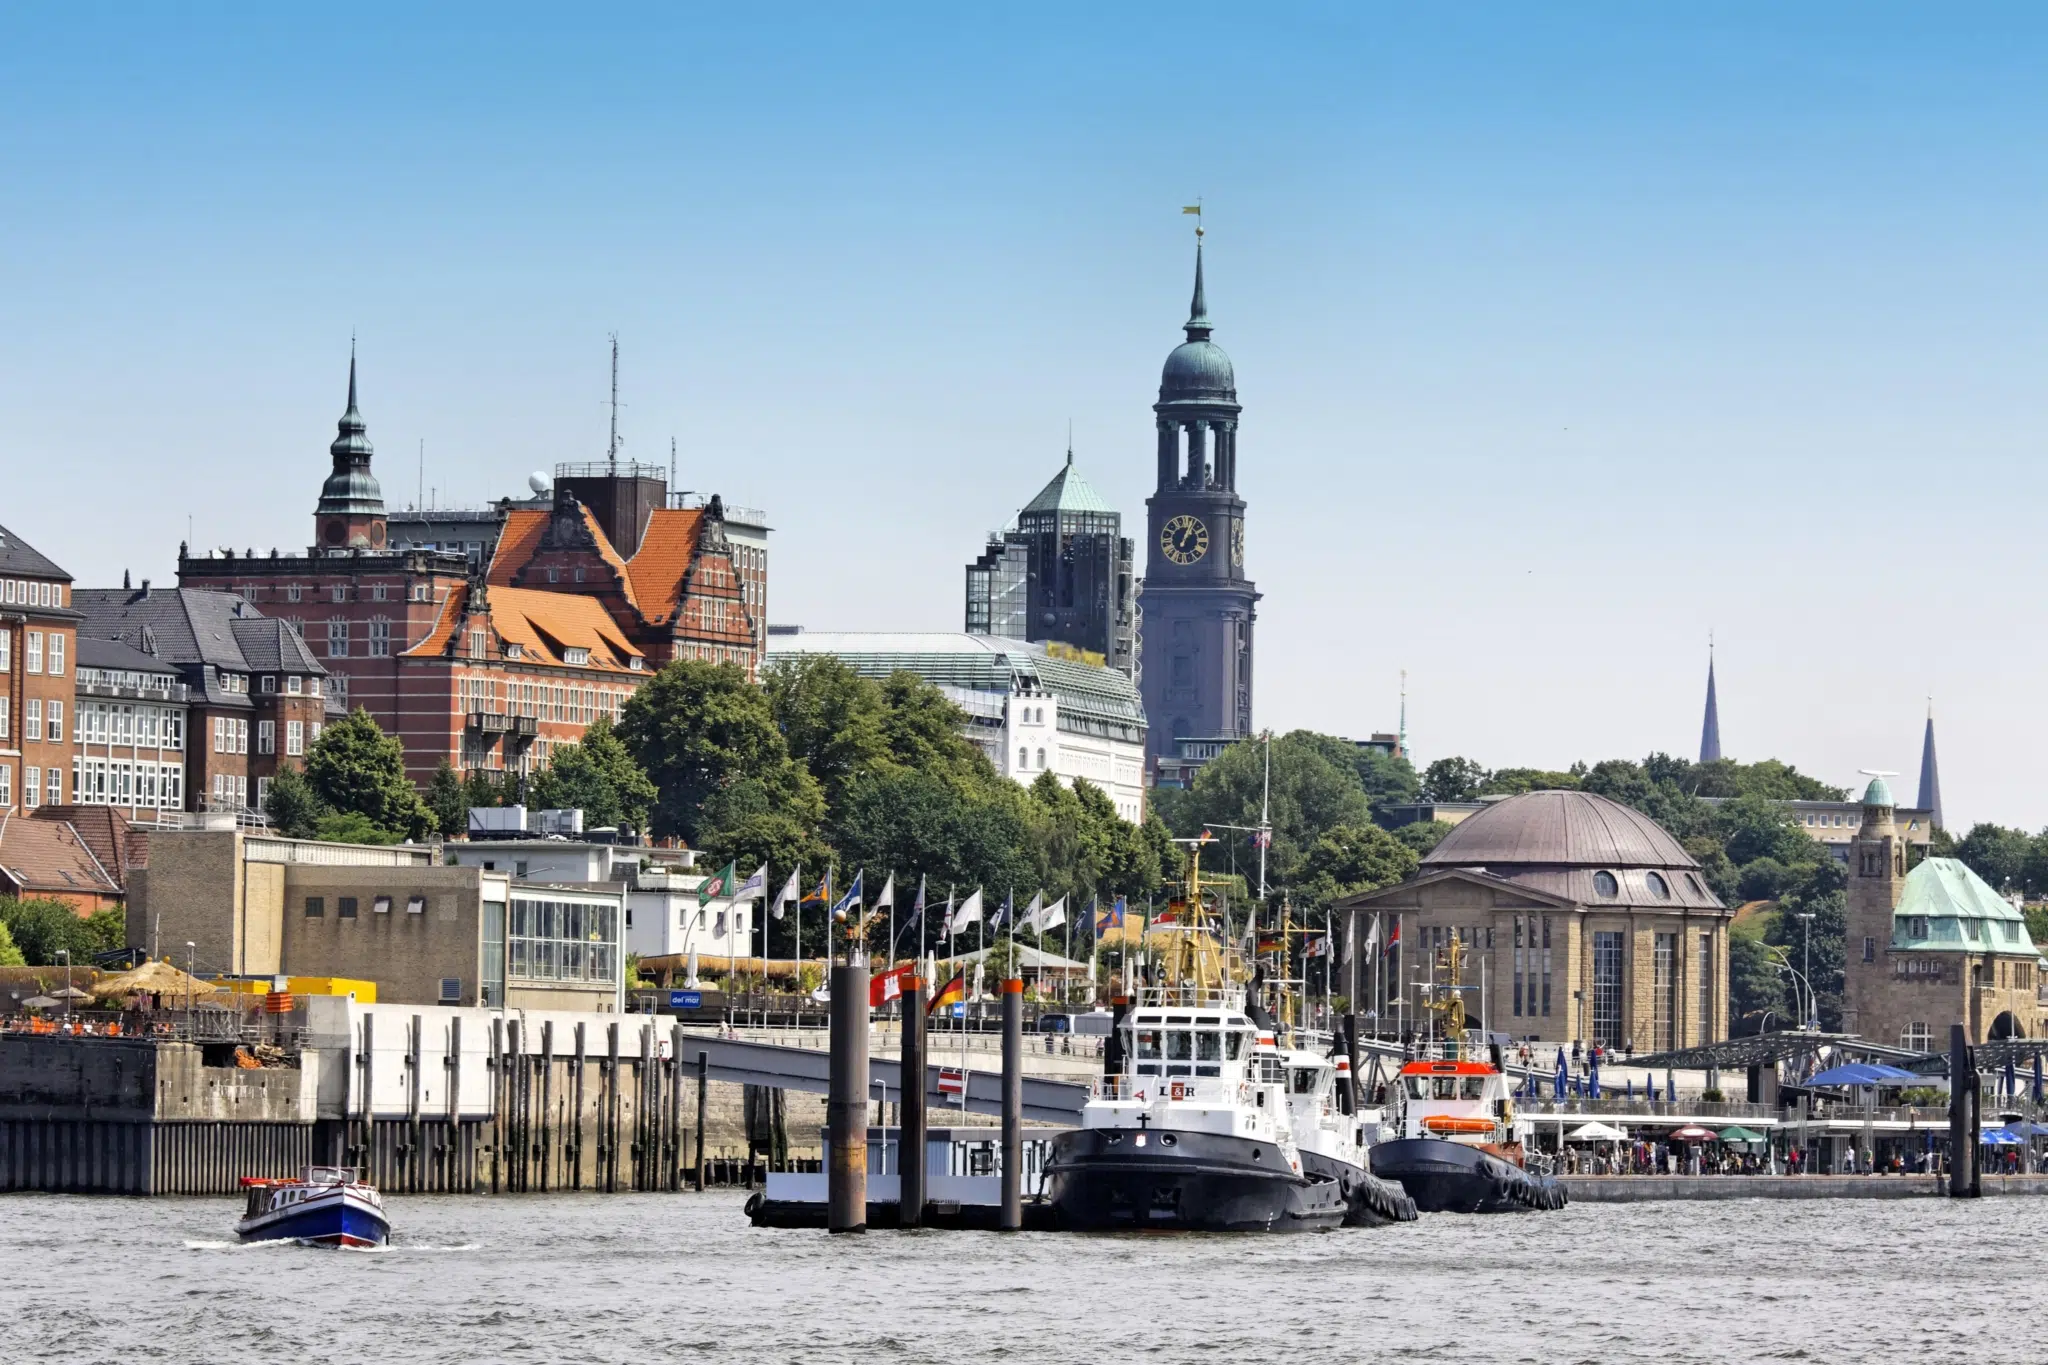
(539, 482)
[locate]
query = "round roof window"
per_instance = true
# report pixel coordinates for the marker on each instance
(1605, 885)
(1694, 883)
(1659, 888)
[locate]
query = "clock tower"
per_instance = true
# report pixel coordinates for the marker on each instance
(1196, 647)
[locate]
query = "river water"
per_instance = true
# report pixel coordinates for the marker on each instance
(645, 1278)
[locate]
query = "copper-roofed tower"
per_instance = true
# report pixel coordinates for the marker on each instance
(1710, 728)
(351, 510)
(1198, 606)
(1930, 775)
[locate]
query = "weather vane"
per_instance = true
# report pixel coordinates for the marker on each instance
(1196, 209)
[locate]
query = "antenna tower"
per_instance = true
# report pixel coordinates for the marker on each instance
(612, 452)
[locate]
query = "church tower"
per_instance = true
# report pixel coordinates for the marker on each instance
(1710, 728)
(1930, 775)
(1198, 606)
(1877, 879)
(351, 510)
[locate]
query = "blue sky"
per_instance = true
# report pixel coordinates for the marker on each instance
(1565, 334)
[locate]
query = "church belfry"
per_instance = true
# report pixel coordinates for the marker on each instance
(351, 508)
(1198, 605)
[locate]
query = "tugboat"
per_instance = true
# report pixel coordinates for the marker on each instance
(325, 1206)
(1461, 1144)
(1201, 1122)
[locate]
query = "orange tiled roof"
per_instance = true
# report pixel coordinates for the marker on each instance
(436, 642)
(546, 624)
(44, 856)
(663, 560)
(516, 544)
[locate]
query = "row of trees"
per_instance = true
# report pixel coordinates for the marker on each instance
(39, 932)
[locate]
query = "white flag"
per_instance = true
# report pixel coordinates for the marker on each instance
(756, 885)
(887, 900)
(1029, 919)
(968, 913)
(792, 890)
(1051, 917)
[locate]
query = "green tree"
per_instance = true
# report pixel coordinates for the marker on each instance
(10, 956)
(1452, 779)
(723, 773)
(598, 777)
(831, 718)
(1515, 781)
(41, 928)
(907, 820)
(351, 827)
(1312, 793)
(1423, 836)
(1658, 796)
(1756, 986)
(291, 803)
(445, 799)
(923, 729)
(1997, 854)
(1385, 779)
(358, 769)
(1352, 859)
(1753, 827)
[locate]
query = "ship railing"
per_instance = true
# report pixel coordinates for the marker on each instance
(1208, 1089)
(1187, 997)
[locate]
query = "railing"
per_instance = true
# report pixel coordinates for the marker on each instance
(1640, 1108)
(1196, 1089)
(607, 469)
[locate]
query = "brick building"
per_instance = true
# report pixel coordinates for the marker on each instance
(489, 649)
(1931, 947)
(203, 703)
(1593, 924)
(38, 634)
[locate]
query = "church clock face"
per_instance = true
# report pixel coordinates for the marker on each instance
(1184, 539)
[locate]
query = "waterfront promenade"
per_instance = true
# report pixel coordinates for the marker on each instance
(1638, 1189)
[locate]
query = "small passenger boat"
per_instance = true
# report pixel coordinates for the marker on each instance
(326, 1206)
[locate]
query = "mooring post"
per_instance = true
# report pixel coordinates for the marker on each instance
(703, 1111)
(675, 1107)
(1351, 1056)
(846, 1112)
(1962, 1117)
(1013, 1105)
(910, 1156)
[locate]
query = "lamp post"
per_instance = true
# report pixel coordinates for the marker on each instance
(65, 953)
(1813, 1017)
(191, 982)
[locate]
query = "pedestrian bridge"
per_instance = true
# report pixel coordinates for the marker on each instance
(801, 1068)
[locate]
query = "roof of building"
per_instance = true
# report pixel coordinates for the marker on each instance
(1093, 698)
(1877, 793)
(115, 840)
(17, 556)
(657, 570)
(1197, 369)
(517, 541)
(183, 627)
(545, 625)
(1576, 845)
(114, 654)
(1068, 492)
(47, 856)
(351, 488)
(1958, 911)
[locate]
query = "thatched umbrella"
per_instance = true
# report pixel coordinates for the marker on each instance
(72, 993)
(40, 1002)
(152, 978)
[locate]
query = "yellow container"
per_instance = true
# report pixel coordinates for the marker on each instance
(363, 991)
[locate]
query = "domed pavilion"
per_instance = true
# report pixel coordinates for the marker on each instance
(1581, 919)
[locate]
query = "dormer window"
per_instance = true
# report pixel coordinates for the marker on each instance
(636, 663)
(515, 651)
(576, 656)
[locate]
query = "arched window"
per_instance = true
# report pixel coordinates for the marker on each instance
(1041, 758)
(1023, 758)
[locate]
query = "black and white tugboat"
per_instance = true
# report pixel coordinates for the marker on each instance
(1461, 1144)
(1201, 1122)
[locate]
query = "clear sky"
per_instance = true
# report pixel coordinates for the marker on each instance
(1565, 333)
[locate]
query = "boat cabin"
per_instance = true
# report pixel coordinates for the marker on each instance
(1465, 1101)
(1187, 1042)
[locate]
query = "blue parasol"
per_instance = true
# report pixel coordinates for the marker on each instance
(2012, 1082)
(1593, 1080)
(1631, 1084)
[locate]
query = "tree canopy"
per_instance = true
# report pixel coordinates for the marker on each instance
(597, 776)
(354, 768)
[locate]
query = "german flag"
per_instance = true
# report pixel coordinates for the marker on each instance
(953, 993)
(1272, 941)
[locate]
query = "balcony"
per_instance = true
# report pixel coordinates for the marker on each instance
(495, 723)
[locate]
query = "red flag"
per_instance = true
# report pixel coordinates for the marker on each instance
(887, 986)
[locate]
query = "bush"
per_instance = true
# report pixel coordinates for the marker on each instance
(41, 929)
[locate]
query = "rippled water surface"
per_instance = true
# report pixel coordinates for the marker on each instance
(682, 1277)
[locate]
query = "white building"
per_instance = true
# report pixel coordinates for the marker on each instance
(663, 915)
(1031, 707)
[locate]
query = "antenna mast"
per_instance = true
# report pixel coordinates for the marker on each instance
(671, 464)
(612, 452)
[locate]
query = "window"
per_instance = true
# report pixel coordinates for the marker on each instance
(6, 785)
(316, 906)
(576, 656)
(1607, 951)
(6, 651)
(476, 644)
(32, 719)
(1869, 948)
(292, 592)
(313, 686)
(381, 905)
(294, 736)
(1023, 758)
(344, 907)
(1604, 884)
(266, 736)
(269, 682)
(563, 941)
(4, 702)
(293, 684)
(56, 729)
(34, 651)
(314, 733)
(1659, 888)
(1706, 980)
(262, 792)
(337, 639)
(1041, 758)
(1664, 990)
(338, 592)
(53, 789)
(451, 990)
(1918, 1037)
(377, 592)
(380, 638)
(241, 737)
(31, 785)
(415, 905)
(221, 733)
(57, 654)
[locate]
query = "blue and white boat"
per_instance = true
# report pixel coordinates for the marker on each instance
(326, 1206)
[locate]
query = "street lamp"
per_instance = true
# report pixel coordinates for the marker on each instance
(65, 953)
(1813, 1019)
(191, 982)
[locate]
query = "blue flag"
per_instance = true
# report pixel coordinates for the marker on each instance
(850, 902)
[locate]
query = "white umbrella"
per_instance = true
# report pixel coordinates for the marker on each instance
(1596, 1132)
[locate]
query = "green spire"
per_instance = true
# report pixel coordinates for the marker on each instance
(1197, 324)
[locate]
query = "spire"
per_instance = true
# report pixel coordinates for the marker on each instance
(1710, 729)
(1930, 774)
(1197, 325)
(351, 441)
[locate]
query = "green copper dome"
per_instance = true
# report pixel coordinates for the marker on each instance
(1877, 793)
(351, 488)
(1198, 368)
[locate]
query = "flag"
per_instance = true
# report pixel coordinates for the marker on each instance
(1051, 917)
(753, 886)
(916, 922)
(821, 893)
(953, 992)
(1319, 948)
(886, 986)
(1195, 209)
(1032, 911)
(792, 890)
(718, 886)
(1372, 938)
(887, 900)
(968, 913)
(1112, 918)
(1002, 915)
(1272, 941)
(1393, 939)
(1262, 839)
(850, 902)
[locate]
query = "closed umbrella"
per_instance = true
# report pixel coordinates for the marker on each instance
(1557, 1085)
(1670, 1085)
(2037, 1078)
(2012, 1082)
(1593, 1080)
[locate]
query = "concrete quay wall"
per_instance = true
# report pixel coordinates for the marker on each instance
(1631, 1189)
